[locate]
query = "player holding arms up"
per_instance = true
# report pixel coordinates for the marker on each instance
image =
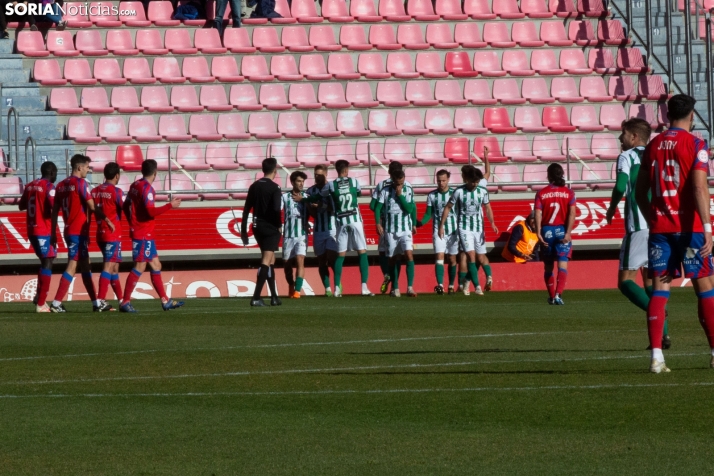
(38, 200)
(73, 198)
(674, 172)
(555, 218)
(383, 246)
(448, 245)
(324, 242)
(397, 202)
(294, 234)
(140, 211)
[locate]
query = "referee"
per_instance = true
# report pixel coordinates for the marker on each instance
(264, 200)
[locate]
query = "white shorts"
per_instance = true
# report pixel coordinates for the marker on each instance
(449, 244)
(322, 242)
(351, 237)
(293, 247)
(472, 241)
(383, 246)
(398, 243)
(633, 252)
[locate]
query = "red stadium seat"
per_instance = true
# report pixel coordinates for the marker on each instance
(336, 11)
(191, 157)
(323, 38)
(573, 62)
(196, 70)
(125, 100)
(47, 72)
(494, 149)
(284, 153)
(129, 157)
(173, 128)
(429, 150)
(390, 94)
(582, 33)
(255, 68)
(225, 69)
(143, 129)
(359, 95)
(371, 66)
(64, 101)
(506, 91)
(231, 126)
(155, 99)
(383, 123)
(77, 72)
(592, 8)
(302, 96)
(515, 63)
(364, 11)
(652, 88)
(166, 70)
(266, 40)
(497, 120)
(310, 153)
(498, 35)
(383, 37)
(102, 16)
(393, 10)
(644, 111)
(468, 121)
(138, 19)
(95, 100)
(450, 10)
(160, 13)
(411, 37)
(89, 43)
(565, 90)
(505, 174)
(488, 64)
(456, 149)
(262, 126)
(332, 95)
(342, 67)
(113, 129)
(292, 126)
(611, 116)
(545, 63)
(507, 9)
(605, 146)
(284, 68)
(553, 33)
(398, 149)
(313, 68)
(419, 93)
(527, 119)
(449, 93)
(305, 11)
(535, 9)
(208, 42)
(351, 124)
(579, 145)
(547, 149)
(220, 157)
(439, 121)
(478, 92)
(563, 8)
(295, 39)
(518, 149)
(593, 89)
(623, 88)
(429, 65)
(243, 98)
(601, 60)
(250, 155)
(598, 172)
(421, 10)
(340, 150)
(368, 150)
(631, 60)
(214, 98)
(611, 33)
(420, 176)
(203, 128)
(556, 119)
(150, 42)
(479, 9)
(211, 181)
(238, 41)
(59, 43)
(107, 71)
(120, 43)
(585, 118)
(76, 17)
(11, 186)
(31, 43)
(525, 34)
(458, 64)
(400, 66)
(354, 38)
(468, 35)
(535, 90)
(440, 36)
(101, 155)
(239, 181)
(180, 182)
(410, 122)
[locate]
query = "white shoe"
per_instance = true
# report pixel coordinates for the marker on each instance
(395, 293)
(711, 364)
(478, 291)
(657, 367)
(337, 292)
(465, 289)
(43, 308)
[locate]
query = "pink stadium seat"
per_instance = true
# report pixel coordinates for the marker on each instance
(138, 19)
(593, 89)
(419, 93)
(479, 9)
(662, 116)
(563, 8)
(103, 17)
(107, 71)
(440, 36)
(220, 157)
(208, 42)
(310, 153)
(535, 90)
(266, 40)
(488, 63)
(556, 119)
(573, 62)
(358, 94)
(113, 129)
(47, 72)
(354, 38)
(150, 42)
(518, 149)
(644, 111)
(515, 63)
(342, 67)
(458, 64)
(553, 33)
(468, 121)
(321, 124)
(498, 35)
(579, 145)
(231, 126)
(430, 150)
(351, 124)
(383, 123)
(449, 93)
(101, 155)
(507, 9)
(411, 37)
(652, 88)
(368, 150)
(120, 43)
(572, 173)
(225, 69)
(400, 66)
(535, 9)
(371, 66)
(364, 11)
(601, 60)
(450, 10)
(143, 129)
(196, 70)
(238, 41)
(547, 149)
(95, 100)
(203, 128)
(527, 119)
(302, 96)
(292, 125)
(284, 68)
(611, 32)
(504, 174)
(77, 72)
(323, 38)
(494, 149)
(429, 65)
(592, 8)
(440, 122)
(623, 88)
(525, 34)
(11, 186)
(398, 149)
(393, 10)
(191, 157)
(410, 122)
(611, 116)
(565, 90)
(59, 43)
(295, 39)
(545, 63)
(305, 11)
(262, 126)
(126, 101)
(161, 153)
(478, 92)
(179, 182)
(468, 35)
(64, 101)
(90, 43)
(582, 33)
(214, 98)
(81, 129)
(161, 13)
(239, 181)
(211, 181)
(166, 70)
(313, 68)
(506, 91)
(155, 99)
(332, 95)
(631, 60)
(598, 172)
(336, 11)
(605, 146)
(421, 10)
(173, 128)
(390, 94)
(456, 149)
(340, 150)
(420, 176)
(284, 152)
(255, 68)
(31, 43)
(383, 37)
(76, 17)
(250, 155)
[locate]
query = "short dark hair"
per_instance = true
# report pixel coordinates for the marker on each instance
(341, 165)
(47, 169)
(297, 174)
(444, 172)
(397, 174)
(468, 172)
(78, 159)
(269, 165)
(149, 167)
(111, 170)
(394, 166)
(639, 127)
(479, 174)
(680, 106)
(556, 175)
(322, 167)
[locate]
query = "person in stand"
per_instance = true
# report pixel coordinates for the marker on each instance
(220, 12)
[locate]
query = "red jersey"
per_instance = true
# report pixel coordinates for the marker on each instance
(109, 199)
(669, 160)
(142, 210)
(554, 202)
(38, 199)
(73, 194)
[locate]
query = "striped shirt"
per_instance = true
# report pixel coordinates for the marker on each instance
(437, 201)
(629, 163)
(344, 193)
(377, 192)
(324, 217)
(396, 218)
(295, 216)
(468, 205)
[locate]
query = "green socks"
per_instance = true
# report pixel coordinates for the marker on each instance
(325, 276)
(635, 294)
(462, 278)
(339, 262)
(452, 274)
(487, 270)
(384, 264)
(298, 284)
(410, 273)
(439, 270)
(473, 271)
(363, 267)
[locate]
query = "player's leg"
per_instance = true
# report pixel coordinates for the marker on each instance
(473, 271)
(411, 268)
(486, 265)
(342, 238)
(68, 275)
(319, 241)
(439, 273)
(384, 263)
(300, 272)
(562, 252)
(288, 263)
(548, 265)
(115, 283)
(263, 271)
(463, 273)
(629, 288)
(664, 263)
(272, 287)
(481, 259)
(452, 271)
(46, 253)
(394, 259)
(158, 283)
(633, 256)
(360, 244)
(85, 267)
(105, 278)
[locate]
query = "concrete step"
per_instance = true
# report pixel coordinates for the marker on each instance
(28, 126)
(24, 89)
(23, 104)
(14, 76)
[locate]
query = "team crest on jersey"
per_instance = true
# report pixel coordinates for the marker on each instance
(52, 193)
(703, 156)
(150, 196)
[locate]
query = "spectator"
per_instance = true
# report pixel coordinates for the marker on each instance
(4, 35)
(221, 10)
(263, 9)
(522, 245)
(55, 18)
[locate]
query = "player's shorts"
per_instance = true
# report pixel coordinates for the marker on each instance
(351, 237)
(383, 244)
(555, 251)
(143, 251)
(633, 252)
(399, 243)
(472, 241)
(668, 252)
(293, 247)
(449, 244)
(42, 247)
(77, 247)
(111, 251)
(267, 236)
(324, 241)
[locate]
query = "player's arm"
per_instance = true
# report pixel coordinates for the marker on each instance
(23, 201)
(643, 186)
(413, 213)
(617, 193)
(444, 217)
(489, 214)
(539, 220)
(427, 216)
(700, 188)
(378, 217)
(515, 238)
(486, 165)
(55, 215)
(127, 210)
(249, 202)
(569, 224)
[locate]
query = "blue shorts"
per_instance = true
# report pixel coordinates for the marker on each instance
(555, 251)
(77, 247)
(42, 247)
(668, 252)
(143, 251)
(111, 251)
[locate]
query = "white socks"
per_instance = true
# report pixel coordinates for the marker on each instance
(712, 351)
(56, 303)
(365, 289)
(657, 355)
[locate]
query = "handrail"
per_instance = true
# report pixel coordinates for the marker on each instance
(30, 141)
(9, 142)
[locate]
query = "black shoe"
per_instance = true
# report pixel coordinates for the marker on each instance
(666, 342)
(103, 307)
(257, 303)
(5, 35)
(58, 308)
(275, 301)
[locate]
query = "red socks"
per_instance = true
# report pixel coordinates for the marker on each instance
(131, 281)
(549, 284)
(706, 314)
(655, 317)
(158, 285)
(44, 278)
(104, 280)
(562, 278)
(116, 286)
(63, 287)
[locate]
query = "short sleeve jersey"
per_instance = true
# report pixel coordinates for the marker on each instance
(295, 222)
(437, 201)
(628, 163)
(73, 194)
(324, 217)
(344, 192)
(108, 198)
(468, 207)
(396, 218)
(554, 202)
(141, 196)
(39, 198)
(669, 160)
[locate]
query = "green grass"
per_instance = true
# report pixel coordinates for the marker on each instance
(503, 384)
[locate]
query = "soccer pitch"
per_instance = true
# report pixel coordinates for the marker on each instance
(500, 384)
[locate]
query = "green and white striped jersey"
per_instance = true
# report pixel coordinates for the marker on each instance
(344, 193)
(324, 217)
(377, 192)
(437, 201)
(629, 163)
(468, 207)
(396, 218)
(295, 224)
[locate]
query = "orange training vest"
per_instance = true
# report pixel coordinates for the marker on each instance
(526, 245)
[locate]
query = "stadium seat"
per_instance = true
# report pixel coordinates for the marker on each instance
(524, 33)
(518, 149)
(94, 100)
(11, 186)
(341, 150)
(458, 64)
(173, 128)
(313, 68)
(210, 181)
(237, 41)
(592, 8)
(101, 155)
(553, 33)
(439, 121)
(358, 94)
(203, 128)
(262, 126)
(351, 124)
(120, 43)
(450, 10)
(284, 68)
(231, 127)
(468, 121)
(419, 93)
(601, 61)
(611, 116)
(208, 42)
(185, 99)
(497, 120)
(284, 153)
(77, 72)
(383, 123)
(161, 153)
(578, 145)
(421, 10)
(535, 9)
(220, 157)
(383, 37)
(411, 37)
(527, 119)
(585, 118)
(64, 101)
(400, 66)
(582, 33)
(505, 174)
(166, 70)
(544, 62)
(368, 151)
(563, 8)
(420, 176)
(336, 11)
(449, 93)
(225, 69)
(498, 35)
(429, 65)
(59, 43)
(125, 100)
(644, 111)
(623, 88)
(468, 35)
(255, 68)
(535, 91)
(214, 98)
(440, 36)
(611, 33)
(266, 40)
(47, 72)
(89, 43)
(354, 38)
(113, 129)
(321, 124)
(104, 17)
(239, 181)
(310, 153)
(488, 63)
(456, 149)
(429, 150)
(478, 10)
(302, 96)
(129, 157)
(341, 66)
(371, 66)
(180, 183)
(409, 122)
(160, 13)
(332, 95)
(323, 38)
(547, 149)
(191, 157)
(77, 17)
(107, 71)
(478, 92)
(399, 149)
(31, 43)
(155, 99)
(143, 129)
(662, 116)
(573, 173)
(364, 11)
(507, 10)
(556, 119)
(597, 172)
(593, 89)
(292, 126)
(515, 63)
(137, 19)
(150, 42)
(390, 94)
(565, 90)
(573, 62)
(250, 155)
(295, 39)
(392, 10)
(305, 12)
(605, 146)
(494, 149)
(652, 88)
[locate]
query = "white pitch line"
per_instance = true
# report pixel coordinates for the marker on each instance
(307, 344)
(325, 370)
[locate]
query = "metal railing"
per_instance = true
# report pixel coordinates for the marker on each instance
(12, 112)
(30, 142)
